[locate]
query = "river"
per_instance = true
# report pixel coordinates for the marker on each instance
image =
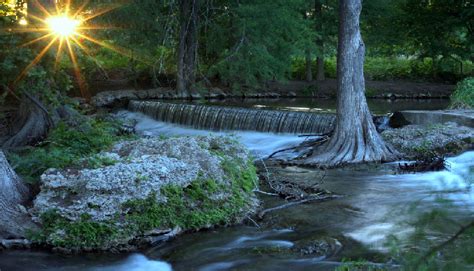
(375, 204)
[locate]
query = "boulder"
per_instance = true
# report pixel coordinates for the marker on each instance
(147, 185)
(446, 139)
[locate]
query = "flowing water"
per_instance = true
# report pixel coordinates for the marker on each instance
(374, 205)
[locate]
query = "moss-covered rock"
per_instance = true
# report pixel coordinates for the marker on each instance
(154, 185)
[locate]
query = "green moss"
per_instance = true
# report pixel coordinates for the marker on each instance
(65, 147)
(203, 203)
(84, 233)
(199, 204)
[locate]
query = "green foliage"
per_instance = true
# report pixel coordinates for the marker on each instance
(388, 68)
(256, 42)
(198, 205)
(66, 146)
(438, 242)
(463, 96)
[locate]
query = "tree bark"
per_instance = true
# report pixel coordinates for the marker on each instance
(187, 49)
(31, 124)
(320, 72)
(318, 7)
(355, 138)
(13, 218)
(309, 72)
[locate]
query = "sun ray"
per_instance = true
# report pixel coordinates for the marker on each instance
(37, 39)
(102, 12)
(116, 49)
(81, 8)
(24, 30)
(66, 29)
(108, 46)
(98, 27)
(58, 53)
(35, 61)
(77, 71)
(42, 8)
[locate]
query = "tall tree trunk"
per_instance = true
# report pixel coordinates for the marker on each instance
(188, 43)
(320, 72)
(355, 138)
(309, 71)
(319, 39)
(13, 218)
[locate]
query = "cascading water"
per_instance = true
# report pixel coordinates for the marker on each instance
(220, 118)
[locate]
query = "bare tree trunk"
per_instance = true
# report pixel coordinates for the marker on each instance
(319, 40)
(187, 49)
(309, 72)
(13, 218)
(31, 124)
(320, 72)
(355, 138)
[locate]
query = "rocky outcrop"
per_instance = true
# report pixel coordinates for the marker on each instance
(121, 97)
(444, 139)
(146, 190)
(425, 117)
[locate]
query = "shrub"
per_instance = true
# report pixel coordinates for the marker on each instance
(463, 96)
(64, 147)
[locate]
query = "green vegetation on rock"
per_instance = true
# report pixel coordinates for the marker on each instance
(66, 146)
(57, 231)
(463, 97)
(202, 203)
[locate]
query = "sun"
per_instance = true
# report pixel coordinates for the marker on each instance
(62, 25)
(66, 30)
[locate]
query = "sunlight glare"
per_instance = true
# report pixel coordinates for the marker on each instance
(62, 25)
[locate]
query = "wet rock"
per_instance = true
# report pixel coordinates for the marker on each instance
(101, 197)
(443, 139)
(15, 244)
(427, 117)
(320, 248)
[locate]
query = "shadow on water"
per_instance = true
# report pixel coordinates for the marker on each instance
(377, 106)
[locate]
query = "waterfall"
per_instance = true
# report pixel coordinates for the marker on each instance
(221, 118)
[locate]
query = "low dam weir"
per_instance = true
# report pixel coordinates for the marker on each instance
(221, 118)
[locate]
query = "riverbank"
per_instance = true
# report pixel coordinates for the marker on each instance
(291, 89)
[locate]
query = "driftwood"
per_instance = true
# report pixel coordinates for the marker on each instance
(424, 164)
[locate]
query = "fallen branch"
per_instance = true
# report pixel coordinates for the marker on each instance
(266, 193)
(290, 204)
